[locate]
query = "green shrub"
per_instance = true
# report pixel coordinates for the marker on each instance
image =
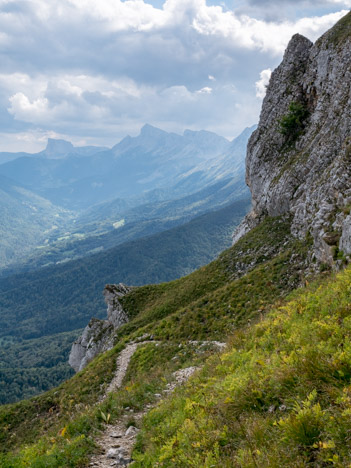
(292, 124)
(305, 425)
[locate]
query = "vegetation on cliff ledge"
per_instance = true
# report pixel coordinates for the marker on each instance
(292, 124)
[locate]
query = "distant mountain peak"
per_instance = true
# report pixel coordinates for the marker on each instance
(150, 130)
(196, 133)
(204, 137)
(60, 149)
(56, 147)
(245, 134)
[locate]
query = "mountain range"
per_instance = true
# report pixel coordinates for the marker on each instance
(155, 165)
(160, 178)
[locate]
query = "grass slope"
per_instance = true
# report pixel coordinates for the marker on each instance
(58, 428)
(280, 396)
(47, 302)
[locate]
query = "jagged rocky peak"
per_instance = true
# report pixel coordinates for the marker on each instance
(151, 131)
(299, 158)
(98, 335)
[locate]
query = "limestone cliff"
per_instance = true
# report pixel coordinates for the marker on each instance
(98, 335)
(299, 158)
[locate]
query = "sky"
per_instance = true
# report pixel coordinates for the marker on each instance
(92, 72)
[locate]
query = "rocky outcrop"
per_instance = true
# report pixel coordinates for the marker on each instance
(112, 295)
(98, 335)
(95, 339)
(299, 158)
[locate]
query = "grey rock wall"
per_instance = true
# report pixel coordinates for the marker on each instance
(310, 178)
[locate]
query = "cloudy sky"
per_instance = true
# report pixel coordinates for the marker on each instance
(94, 71)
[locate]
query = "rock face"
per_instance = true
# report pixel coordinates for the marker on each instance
(95, 339)
(115, 313)
(98, 335)
(304, 169)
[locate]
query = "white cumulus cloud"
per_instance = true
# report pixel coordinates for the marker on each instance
(262, 83)
(205, 90)
(257, 34)
(24, 109)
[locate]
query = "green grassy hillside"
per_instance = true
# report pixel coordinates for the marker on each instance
(280, 396)
(217, 301)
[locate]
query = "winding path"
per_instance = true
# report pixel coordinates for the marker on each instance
(116, 442)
